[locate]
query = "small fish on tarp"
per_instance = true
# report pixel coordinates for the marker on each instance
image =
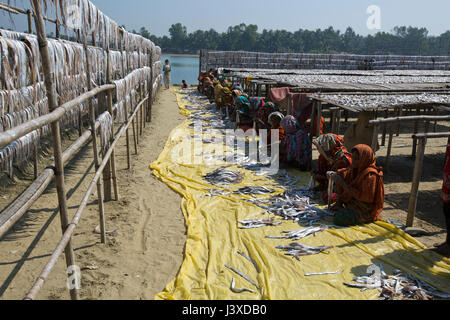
(296, 250)
(322, 273)
(216, 192)
(242, 275)
(223, 176)
(239, 290)
(254, 190)
(258, 223)
(301, 233)
(399, 286)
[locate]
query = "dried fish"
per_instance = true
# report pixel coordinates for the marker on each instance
(322, 273)
(400, 285)
(257, 223)
(301, 233)
(242, 275)
(223, 176)
(239, 290)
(250, 259)
(296, 249)
(254, 190)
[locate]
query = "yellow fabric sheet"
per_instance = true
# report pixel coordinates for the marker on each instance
(214, 237)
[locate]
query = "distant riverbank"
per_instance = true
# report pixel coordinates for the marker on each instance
(181, 55)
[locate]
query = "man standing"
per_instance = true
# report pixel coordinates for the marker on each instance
(167, 68)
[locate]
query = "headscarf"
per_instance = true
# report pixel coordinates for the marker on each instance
(276, 114)
(257, 103)
(356, 175)
(331, 147)
(298, 145)
(241, 100)
(237, 86)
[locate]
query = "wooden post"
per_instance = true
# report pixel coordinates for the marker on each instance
(35, 161)
(375, 138)
(56, 137)
(415, 183)
(399, 114)
(388, 155)
(435, 112)
(199, 62)
(383, 139)
(333, 120)
(319, 118)
(338, 121)
(127, 133)
(150, 89)
(95, 149)
(30, 21)
(311, 129)
(416, 128)
(109, 104)
(57, 31)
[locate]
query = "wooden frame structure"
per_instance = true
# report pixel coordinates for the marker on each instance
(140, 114)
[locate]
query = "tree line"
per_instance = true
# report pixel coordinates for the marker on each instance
(401, 40)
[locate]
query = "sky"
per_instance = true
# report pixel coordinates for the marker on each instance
(158, 15)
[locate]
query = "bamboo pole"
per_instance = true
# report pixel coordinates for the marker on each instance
(95, 149)
(333, 120)
(311, 129)
(15, 133)
(338, 121)
(11, 214)
(416, 128)
(375, 138)
(125, 68)
(415, 183)
(65, 240)
(400, 113)
(110, 110)
(388, 155)
(59, 166)
(151, 87)
(383, 139)
(30, 21)
(319, 118)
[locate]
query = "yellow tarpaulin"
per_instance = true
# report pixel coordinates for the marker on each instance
(214, 238)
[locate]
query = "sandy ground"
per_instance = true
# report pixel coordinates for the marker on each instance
(146, 252)
(138, 260)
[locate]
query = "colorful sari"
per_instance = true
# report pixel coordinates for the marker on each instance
(296, 144)
(365, 202)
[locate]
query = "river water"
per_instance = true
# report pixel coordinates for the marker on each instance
(183, 68)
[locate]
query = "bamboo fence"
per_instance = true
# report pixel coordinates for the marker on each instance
(47, 85)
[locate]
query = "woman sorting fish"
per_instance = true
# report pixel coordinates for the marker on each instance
(360, 189)
(296, 147)
(244, 111)
(332, 156)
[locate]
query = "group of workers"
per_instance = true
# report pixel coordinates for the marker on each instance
(359, 191)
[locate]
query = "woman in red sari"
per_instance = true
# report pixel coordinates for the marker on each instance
(360, 189)
(333, 156)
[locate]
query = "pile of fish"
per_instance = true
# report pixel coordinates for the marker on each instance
(296, 250)
(223, 176)
(294, 206)
(258, 223)
(254, 190)
(400, 286)
(301, 233)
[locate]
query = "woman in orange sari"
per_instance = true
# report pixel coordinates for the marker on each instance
(360, 189)
(333, 156)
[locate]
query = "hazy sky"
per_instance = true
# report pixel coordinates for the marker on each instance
(158, 15)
